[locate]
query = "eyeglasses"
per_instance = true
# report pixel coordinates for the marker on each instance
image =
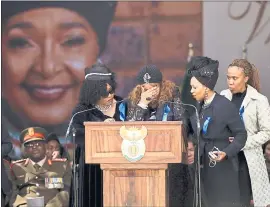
(35, 144)
(109, 92)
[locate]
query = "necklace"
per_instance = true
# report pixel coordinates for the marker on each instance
(207, 102)
(103, 108)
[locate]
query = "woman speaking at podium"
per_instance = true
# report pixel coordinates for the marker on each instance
(219, 120)
(97, 95)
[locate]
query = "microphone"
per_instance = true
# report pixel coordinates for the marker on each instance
(76, 166)
(183, 104)
(197, 185)
(71, 120)
(83, 111)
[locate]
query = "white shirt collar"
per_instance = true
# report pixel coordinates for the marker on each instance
(209, 100)
(40, 163)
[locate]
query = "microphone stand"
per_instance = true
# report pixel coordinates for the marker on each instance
(197, 180)
(75, 167)
(198, 163)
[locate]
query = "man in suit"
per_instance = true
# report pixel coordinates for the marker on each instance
(38, 175)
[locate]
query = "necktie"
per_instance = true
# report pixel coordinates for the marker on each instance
(36, 166)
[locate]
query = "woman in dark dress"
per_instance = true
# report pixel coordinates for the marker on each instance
(156, 99)
(219, 120)
(97, 95)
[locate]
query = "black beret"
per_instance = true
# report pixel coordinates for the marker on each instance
(149, 74)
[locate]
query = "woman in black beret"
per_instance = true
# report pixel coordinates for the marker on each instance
(46, 45)
(156, 99)
(219, 120)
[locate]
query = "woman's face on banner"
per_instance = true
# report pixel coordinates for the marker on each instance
(44, 54)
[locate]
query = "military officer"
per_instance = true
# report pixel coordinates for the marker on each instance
(39, 176)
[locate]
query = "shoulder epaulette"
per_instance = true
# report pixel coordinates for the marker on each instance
(22, 161)
(18, 161)
(59, 160)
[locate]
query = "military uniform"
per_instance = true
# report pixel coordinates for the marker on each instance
(51, 180)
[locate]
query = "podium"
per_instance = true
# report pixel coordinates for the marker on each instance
(134, 157)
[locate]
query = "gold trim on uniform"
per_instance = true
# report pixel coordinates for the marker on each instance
(60, 159)
(31, 131)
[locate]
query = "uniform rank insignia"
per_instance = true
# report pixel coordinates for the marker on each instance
(31, 131)
(51, 183)
(60, 159)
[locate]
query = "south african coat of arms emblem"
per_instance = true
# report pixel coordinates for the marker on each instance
(133, 145)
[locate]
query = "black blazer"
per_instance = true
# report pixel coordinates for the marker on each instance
(94, 115)
(224, 122)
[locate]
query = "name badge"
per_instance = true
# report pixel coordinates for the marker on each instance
(52, 183)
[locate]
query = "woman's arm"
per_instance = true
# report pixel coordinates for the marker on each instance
(238, 130)
(263, 122)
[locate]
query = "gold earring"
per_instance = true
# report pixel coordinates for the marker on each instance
(206, 94)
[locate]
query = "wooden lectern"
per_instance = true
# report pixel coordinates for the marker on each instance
(140, 183)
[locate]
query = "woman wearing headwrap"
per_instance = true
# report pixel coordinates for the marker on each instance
(98, 96)
(156, 99)
(219, 120)
(244, 92)
(46, 45)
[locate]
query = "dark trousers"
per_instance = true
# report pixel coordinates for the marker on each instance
(191, 195)
(244, 180)
(177, 182)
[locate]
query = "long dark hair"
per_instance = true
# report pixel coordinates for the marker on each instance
(94, 87)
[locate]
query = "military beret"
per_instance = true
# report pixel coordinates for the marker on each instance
(33, 134)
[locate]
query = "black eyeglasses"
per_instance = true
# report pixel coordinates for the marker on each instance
(33, 144)
(110, 91)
